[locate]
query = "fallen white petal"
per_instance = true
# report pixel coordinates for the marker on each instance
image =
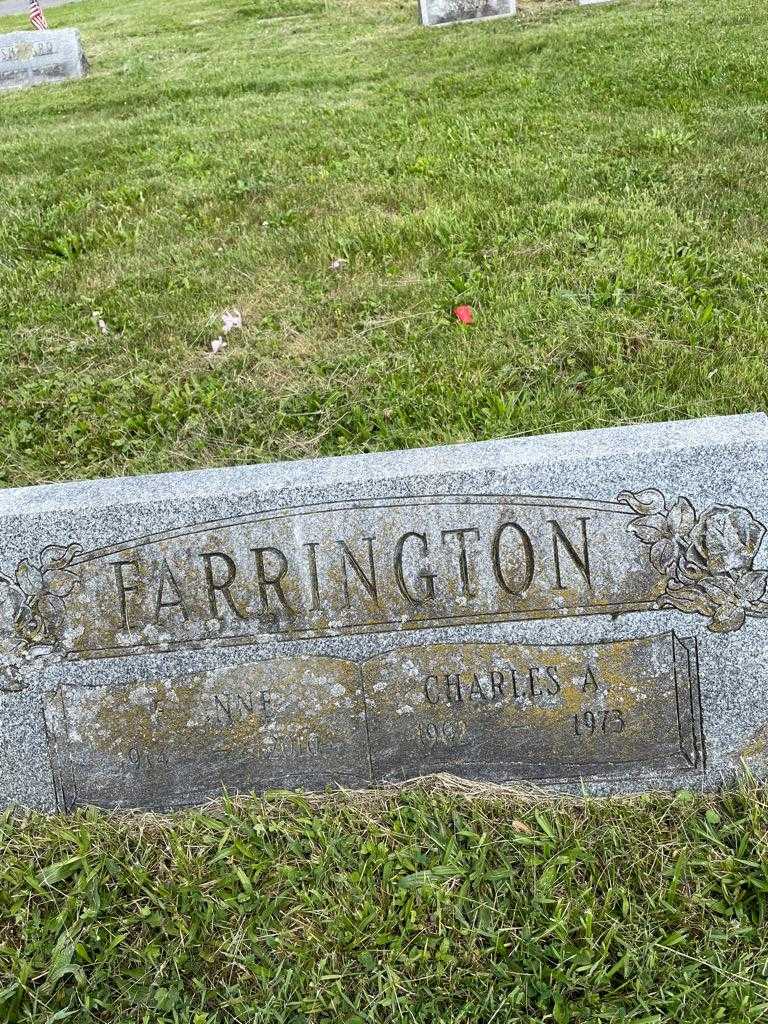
(232, 320)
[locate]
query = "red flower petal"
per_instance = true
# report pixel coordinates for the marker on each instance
(465, 314)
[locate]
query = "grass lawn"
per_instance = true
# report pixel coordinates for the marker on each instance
(417, 908)
(593, 183)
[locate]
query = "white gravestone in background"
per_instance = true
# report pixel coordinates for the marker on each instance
(445, 12)
(33, 58)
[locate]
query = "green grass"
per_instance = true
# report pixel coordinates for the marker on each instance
(418, 908)
(592, 182)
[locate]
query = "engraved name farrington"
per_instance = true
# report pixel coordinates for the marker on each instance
(358, 566)
(386, 564)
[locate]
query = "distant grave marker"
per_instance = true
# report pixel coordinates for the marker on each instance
(36, 58)
(446, 12)
(586, 611)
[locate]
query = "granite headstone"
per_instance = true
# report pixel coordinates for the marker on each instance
(446, 12)
(34, 58)
(586, 611)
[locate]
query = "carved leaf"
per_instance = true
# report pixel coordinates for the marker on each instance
(61, 581)
(30, 624)
(754, 533)
(727, 619)
(719, 588)
(29, 578)
(51, 608)
(648, 529)
(688, 599)
(663, 555)
(690, 571)
(681, 517)
(644, 502)
(752, 585)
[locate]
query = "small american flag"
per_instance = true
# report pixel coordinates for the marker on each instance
(36, 15)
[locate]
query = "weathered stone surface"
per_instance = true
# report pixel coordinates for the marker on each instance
(564, 712)
(445, 12)
(583, 611)
(285, 723)
(33, 58)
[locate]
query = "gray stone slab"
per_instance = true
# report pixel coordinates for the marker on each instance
(585, 611)
(447, 12)
(36, 58)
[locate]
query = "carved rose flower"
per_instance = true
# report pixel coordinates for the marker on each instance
(667, 533)
(725, 540)
(35, 599)
(708, 559)
(39, 589)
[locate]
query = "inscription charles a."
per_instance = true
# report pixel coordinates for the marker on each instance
(517, 711)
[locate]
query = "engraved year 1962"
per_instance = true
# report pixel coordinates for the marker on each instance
(592, 723)
(447, 733)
